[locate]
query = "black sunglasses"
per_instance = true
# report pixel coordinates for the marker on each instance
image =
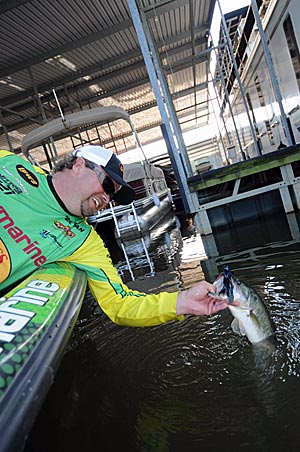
(106, 182)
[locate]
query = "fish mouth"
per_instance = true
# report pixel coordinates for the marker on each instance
(225, 287)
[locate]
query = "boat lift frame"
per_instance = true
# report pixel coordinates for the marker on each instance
(288, 186)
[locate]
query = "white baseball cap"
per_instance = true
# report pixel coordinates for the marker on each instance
(112, 166)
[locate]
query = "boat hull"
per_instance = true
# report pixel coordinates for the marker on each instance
(36, 320)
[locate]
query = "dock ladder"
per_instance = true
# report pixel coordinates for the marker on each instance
(145, 256)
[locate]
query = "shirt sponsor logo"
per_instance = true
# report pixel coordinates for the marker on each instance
(7, 187)
(46, 234)
(27, 175)
(75, 224)
(5, 264)
(20, 238)
(12, 186)
(65, 229)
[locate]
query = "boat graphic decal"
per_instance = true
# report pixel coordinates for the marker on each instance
(26, 313)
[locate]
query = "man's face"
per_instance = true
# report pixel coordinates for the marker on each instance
(94, 197)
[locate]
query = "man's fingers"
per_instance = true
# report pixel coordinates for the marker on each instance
(214, 295)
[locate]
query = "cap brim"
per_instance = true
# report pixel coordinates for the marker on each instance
(126, 194)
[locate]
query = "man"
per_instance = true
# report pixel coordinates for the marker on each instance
(42, 220)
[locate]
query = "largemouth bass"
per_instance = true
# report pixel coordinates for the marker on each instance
(251, 317)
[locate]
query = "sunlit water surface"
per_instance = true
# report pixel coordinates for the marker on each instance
(192, 385)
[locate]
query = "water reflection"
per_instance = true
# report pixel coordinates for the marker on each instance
(251, 242)
(191, 385)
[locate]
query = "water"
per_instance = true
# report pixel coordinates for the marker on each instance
(191, 385)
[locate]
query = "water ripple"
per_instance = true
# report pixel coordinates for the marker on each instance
(191, 385)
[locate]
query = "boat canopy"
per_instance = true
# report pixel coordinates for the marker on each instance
(60, 127)
(137, 171)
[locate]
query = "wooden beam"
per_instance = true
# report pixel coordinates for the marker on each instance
(245, 168)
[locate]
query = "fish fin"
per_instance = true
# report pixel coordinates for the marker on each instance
(254, 318)
(238, 327)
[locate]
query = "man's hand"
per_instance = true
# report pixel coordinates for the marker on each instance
(199, 300)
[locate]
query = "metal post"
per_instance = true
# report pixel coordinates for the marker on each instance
(271, 71)
(42, 111)
(228, 101)
(236, 70)
(190, 202)
(37, 97)
(11, 148)
(167, 98)
(217, 122)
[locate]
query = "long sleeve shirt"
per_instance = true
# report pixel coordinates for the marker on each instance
(36, 228)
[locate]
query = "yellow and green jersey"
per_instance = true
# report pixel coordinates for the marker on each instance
(36, 229)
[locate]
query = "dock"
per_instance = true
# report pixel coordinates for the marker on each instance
(270, 181)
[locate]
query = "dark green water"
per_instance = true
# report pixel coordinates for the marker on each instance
(192, 385)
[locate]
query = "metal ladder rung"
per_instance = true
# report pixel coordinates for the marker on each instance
(136, 221)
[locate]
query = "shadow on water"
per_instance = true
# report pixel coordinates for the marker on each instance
(192, 385)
